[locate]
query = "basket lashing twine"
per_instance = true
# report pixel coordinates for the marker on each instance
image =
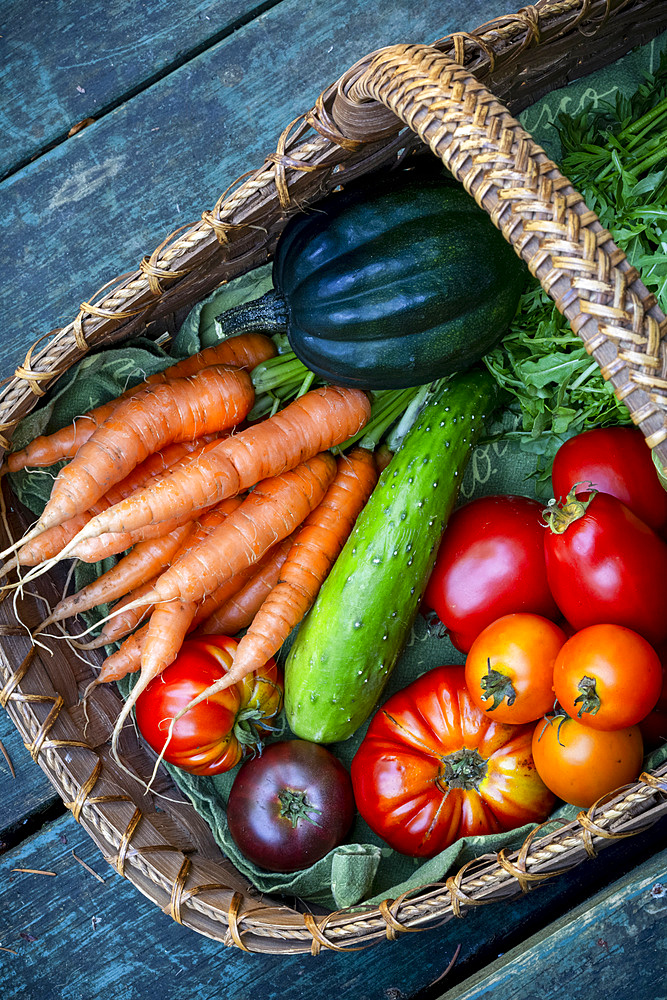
(638, 345)
(504, 170)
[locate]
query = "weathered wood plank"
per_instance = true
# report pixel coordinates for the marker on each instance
(93, 206)
(90, 935)
(102, 56)
(616, 941)
(27, 797)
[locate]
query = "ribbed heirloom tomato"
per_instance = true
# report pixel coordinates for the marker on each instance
(213, 736)
(490, 563)
(433, 767)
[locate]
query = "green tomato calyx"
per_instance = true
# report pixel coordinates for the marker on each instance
(465, 768)
(496, 685)
(589, 699)
(559, 518)
(295, 806)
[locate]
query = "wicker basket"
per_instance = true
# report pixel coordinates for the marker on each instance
(388, 102)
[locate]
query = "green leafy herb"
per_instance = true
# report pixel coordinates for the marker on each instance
(616, 156)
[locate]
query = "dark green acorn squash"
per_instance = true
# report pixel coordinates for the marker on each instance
(393, 282)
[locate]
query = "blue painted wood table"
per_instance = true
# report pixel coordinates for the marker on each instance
(119, 123)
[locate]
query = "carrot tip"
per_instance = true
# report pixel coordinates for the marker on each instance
(8, 566)
(93, 644)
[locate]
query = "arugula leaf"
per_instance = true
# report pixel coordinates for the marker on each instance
(616, 156)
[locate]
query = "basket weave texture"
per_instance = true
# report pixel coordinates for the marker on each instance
(388, 103)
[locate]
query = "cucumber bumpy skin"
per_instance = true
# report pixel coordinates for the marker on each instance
(350, 641)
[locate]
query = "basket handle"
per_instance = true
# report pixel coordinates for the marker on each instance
(538, 212)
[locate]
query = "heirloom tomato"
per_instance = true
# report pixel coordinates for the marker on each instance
(580, 764)
(608, 677)
(213, 736)
(613, 460)
(490, 563)
(605, 566)
(433, 768)
(509, 669)
(291, 806)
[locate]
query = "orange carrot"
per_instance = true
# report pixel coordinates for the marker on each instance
(95, 549)
(47, 545)
(92, 550)
(145, 560)
(50, 542)
(270, 512)
(186, 538)
(212, 400)
(63, 443)
(153, 466)
(316, 547)
(247, 350)
(170, 621)
(124, 619)
(244, 351)
(313, 423)
(130, 611)
(126, 660)
(237, 613)
(168, 625)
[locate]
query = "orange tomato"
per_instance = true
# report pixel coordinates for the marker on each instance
(608, 677)
(580, 764)
(509, 669)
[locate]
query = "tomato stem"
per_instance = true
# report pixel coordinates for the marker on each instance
(589, 699)
(465, 768)
(247, 728)
(496, 685)
(559, 518)
(294, 806)
(560, 716)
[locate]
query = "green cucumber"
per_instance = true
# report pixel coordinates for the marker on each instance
(351, 639)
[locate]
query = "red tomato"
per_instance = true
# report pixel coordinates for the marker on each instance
(433, 767)
(291, 806)
(654, 725)
(509, 669)
(654, 729)
(605, 566)
(213, 736)
(580, 764)
(608, 677)
(613, 460)
(662, 700)
(490, 563)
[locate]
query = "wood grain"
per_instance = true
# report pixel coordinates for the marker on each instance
(605, 941)
(27, 797)
(90, 208)
(94, 939)
(102, 57)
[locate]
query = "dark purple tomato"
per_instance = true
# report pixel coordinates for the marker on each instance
(291, 806)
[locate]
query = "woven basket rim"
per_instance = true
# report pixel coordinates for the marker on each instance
(200, 891)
